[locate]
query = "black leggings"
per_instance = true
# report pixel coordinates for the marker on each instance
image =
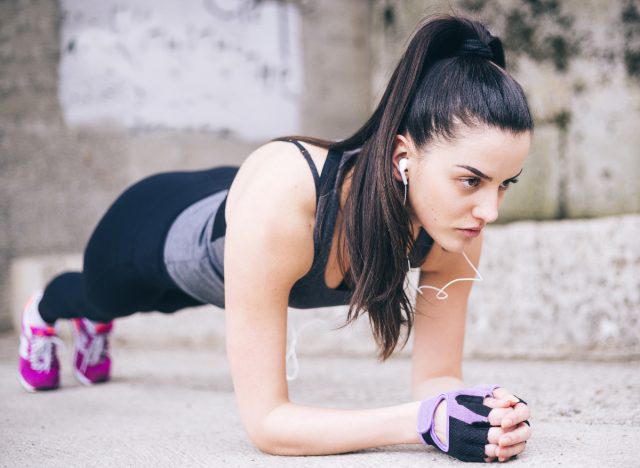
(123, 267)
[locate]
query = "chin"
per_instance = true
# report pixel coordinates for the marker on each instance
(450, 243)
(453, 248)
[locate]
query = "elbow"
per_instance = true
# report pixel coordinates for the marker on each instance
(260, 438)
(271, 439)
(273, 445)
(263, 444)
(263, 441)
(269, 448)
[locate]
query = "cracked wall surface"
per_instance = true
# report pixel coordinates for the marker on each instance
(577, 61)
(578, 64)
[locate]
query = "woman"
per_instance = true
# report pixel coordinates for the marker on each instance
(308, 223)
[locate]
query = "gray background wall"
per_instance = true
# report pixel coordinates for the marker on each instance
(578, 61)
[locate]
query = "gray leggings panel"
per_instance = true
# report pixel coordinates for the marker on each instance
(194, 262)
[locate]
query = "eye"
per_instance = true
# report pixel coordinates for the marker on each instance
(505, 185)
(470, 182)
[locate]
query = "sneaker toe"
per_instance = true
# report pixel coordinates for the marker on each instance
(97, 373)
(38, 380)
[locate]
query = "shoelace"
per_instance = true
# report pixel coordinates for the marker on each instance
(92, 352)
(41, 354)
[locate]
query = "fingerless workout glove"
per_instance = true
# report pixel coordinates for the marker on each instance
(467, 422)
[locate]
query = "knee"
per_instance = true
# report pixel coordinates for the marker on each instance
(105, 300)
(104, 305)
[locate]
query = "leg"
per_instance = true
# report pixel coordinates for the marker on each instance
(65, 297)
(123, 273)
(124, 270)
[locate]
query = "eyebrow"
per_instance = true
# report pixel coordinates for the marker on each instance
(482, 175)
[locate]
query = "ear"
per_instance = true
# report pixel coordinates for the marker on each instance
(402, 148)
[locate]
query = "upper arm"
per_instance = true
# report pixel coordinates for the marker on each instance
(439, 325)
(268, 246)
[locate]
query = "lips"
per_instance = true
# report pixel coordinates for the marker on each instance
(471, 232)
(473, 228)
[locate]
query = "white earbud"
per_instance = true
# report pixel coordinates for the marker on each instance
(402, 167)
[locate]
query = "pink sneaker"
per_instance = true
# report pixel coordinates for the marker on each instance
(91, 360)
(39, 365)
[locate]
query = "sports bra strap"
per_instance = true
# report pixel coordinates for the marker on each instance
(307, 156)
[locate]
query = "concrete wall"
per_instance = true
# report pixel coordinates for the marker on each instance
(579, 64)
(184, 65)
(65, 153)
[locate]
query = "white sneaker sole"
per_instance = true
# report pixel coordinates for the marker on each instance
(81, 378)
(29, 388)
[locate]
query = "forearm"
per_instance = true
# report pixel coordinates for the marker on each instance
(292, 429)
(434, 386)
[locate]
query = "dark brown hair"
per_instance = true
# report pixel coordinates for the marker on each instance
(435, 87)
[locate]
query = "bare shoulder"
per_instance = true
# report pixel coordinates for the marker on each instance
(270, 211)
(278, 174)
(274, 173)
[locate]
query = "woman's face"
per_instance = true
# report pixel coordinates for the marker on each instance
(456, 188)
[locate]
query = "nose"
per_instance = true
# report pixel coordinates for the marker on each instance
(487, 209)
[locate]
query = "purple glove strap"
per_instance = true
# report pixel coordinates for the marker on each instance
(426, 413)
(426, 416)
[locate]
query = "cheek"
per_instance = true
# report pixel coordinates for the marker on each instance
(432, 202)
(440, 204)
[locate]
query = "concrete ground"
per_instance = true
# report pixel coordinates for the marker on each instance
(175, 407)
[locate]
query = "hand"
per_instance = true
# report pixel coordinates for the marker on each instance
(458, 423)
(467, 425)
(509, 434)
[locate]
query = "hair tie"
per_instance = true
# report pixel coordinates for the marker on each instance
(475, 47)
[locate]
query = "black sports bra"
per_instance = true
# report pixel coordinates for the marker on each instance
(311, 290)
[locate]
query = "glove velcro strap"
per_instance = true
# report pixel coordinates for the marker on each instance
(426, 418)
